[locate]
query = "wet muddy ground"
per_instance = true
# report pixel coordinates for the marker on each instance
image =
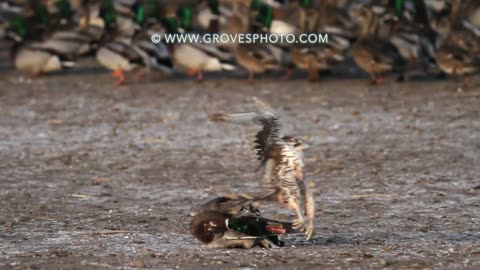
(98, 177)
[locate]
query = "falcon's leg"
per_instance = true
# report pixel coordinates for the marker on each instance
(310, 209)
(298, 224)
(269, 168)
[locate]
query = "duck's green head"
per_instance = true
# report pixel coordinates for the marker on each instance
(18, 28)
(140, 15)
(145, 10)
(399, 6)
(65, 9)
(171, 24)
(108, 13)
(152, 9)
(265, 16)
(186, 17)
(213, 6)
(40, 12)
(256, 4)
(306, 3)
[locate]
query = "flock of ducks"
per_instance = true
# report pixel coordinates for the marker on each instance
(383, 37)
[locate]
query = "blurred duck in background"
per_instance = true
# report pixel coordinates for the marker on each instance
(458, 53)
(128, 47)
(373, 54)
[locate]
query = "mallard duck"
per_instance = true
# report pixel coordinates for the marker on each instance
(74, 43)
(119, 56)
(456, 62)
(28, 54)
(196, 58)
(282, 157)
(125, 53)
(313, 57)
(452, 57)
(218, 230)
(375, 56)
(408, 29)
(256, 58)
(36, 60)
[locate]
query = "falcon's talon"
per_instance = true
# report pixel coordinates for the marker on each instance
(309, 231)
(299, 224)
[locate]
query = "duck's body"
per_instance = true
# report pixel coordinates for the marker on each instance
(316, 57)
(35, 60)
(197, 60)
(283, 161)
(156, 57)
(126, 51)
(255, 58)
(72, 43)
(119, 56)
(218, 230)
(459, 51)
(456, 64)
(455, 61)
(310, 58)
(375, 56)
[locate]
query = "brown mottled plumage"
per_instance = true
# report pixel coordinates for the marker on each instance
(375, 56)
(230, 205)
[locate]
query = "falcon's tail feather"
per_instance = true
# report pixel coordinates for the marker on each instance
(262, 105)
(237, 118)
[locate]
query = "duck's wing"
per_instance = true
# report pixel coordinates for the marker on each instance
(265, 118)
(125, 50)
(230, 205)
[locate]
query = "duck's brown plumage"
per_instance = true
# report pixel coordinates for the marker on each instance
(375, 56)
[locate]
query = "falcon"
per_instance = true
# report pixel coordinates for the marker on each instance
(282, 158)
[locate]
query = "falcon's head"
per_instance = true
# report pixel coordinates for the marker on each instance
(296, 142)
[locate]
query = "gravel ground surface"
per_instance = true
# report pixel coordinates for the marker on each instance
(98, 177)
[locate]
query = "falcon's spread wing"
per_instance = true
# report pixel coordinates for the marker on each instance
(264, 117)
